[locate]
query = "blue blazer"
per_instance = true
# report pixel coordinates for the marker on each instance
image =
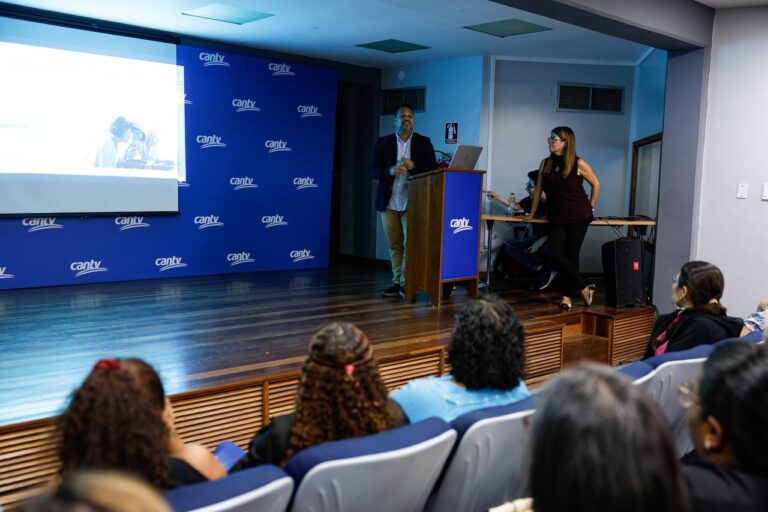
(385, 156)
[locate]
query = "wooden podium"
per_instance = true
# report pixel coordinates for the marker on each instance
(443, 238)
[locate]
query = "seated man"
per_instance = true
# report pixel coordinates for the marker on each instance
(529, 251)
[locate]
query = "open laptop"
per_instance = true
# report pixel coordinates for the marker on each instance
(465, 157)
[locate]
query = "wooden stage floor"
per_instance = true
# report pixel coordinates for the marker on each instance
(206, 331)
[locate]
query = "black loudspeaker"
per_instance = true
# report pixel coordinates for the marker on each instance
(623, 267)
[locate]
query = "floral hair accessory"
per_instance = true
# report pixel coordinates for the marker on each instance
(108, 364)
(349, 369)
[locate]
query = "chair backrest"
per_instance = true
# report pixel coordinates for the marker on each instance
(390, 471)
(264, 488)
(663, 387)
(488, 467)
(639, 372)
(697, 352)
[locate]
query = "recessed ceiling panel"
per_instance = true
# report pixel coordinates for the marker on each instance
(507, 28)
(228, 14)
(393, 46)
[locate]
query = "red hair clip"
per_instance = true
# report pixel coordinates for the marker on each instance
(349, 369)
(108, 364)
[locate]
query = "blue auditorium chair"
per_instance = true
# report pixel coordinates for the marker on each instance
(756, 336)
(264, 488)
(639, 372)
(672, 369)
(389, 471)
(487, 467)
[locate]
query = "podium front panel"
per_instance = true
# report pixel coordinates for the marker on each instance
(461, 224)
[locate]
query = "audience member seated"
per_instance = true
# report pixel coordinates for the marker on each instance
(757, 320)
(700, 319)
(99, 491)
(120, 419)
(728, 422)
(598, 443)
(487, 361)
(341, 395)
(529, 251)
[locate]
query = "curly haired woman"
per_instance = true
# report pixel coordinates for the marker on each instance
(487, 361)
(120, 419)
(341, 395)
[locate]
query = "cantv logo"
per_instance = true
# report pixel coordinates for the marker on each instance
(302, 183)
(276, 146)
(209, 141)
(245, 105)
(238, 258)
(271, 221)
(207, 221)
(241, 183)
(81, 268)
(169, 263)
(40, 223)
(460, 225)
(130, 222)
(308, 111)
(184, 184)
(213, 59)
(3, 275)
(301, 255)
(281, 69)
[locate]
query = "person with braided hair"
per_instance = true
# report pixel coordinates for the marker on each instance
(341, 395)
(487, 359)
(120, 419)
(700, 318)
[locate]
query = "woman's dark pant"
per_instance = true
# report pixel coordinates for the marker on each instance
(564, 246)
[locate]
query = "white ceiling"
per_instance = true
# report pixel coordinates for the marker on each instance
(330, 29)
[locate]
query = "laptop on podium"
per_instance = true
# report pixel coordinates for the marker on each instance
(465, 157)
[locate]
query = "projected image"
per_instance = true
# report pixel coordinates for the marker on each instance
(74, 112)
(89, 132)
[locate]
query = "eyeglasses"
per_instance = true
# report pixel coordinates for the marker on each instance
(687, 393)
(552, 139)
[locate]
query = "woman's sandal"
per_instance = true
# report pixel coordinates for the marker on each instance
(590, 294)
(566, 306)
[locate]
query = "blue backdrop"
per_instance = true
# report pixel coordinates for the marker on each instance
(259, 156)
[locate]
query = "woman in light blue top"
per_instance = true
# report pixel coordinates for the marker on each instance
(487, 361)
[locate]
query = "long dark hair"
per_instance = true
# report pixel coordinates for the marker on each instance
(601, 444)
(734, 390)
(705, 285)
(568, 159)
(115, 421)
(487, 345)
(341, 393)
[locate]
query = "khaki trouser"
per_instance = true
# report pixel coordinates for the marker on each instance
(396, 229)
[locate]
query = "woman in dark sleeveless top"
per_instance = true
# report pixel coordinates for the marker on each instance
(561, 176)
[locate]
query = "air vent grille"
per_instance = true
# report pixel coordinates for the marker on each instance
(590, 98)
(393, 98)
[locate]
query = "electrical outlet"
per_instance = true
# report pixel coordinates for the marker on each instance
(741, 191)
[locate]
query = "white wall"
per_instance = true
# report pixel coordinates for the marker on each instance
(454, 94)
(733, 233)
(525, 111)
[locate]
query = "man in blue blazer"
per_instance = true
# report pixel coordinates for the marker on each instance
(395, 157)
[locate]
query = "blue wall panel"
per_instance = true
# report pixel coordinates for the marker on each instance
(259, 156)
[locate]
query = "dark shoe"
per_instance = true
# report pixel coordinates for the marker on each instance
(588, 293)
(546, 277)
(392, 291)
(566, 306)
